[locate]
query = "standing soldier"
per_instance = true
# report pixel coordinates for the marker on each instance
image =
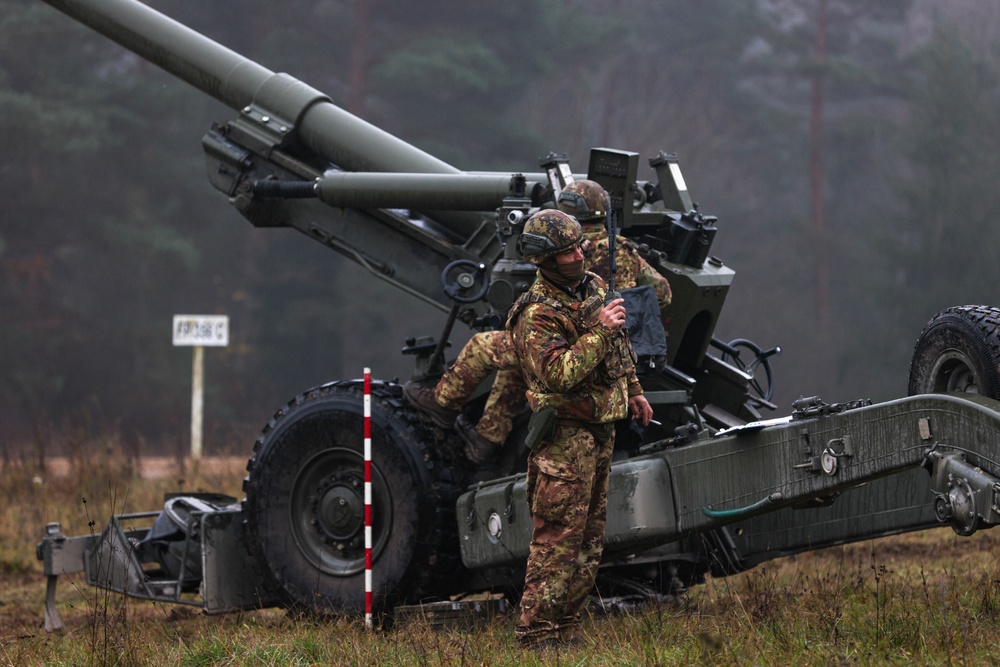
(580, 373)
(492, 350)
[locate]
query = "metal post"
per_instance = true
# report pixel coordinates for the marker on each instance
(197, 400)
(199, 332)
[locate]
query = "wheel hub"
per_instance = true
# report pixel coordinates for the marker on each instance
(338, 510)
(953, 372)
(327, 511)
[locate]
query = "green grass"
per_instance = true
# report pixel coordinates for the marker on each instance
(926, 598)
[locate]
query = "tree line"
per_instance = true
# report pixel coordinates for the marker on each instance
(849, 222)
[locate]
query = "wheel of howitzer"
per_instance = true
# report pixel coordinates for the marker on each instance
(958, 351)
(305, 503)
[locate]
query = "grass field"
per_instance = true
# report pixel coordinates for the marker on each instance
(924, 598)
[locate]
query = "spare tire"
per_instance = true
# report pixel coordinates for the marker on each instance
(305, 505)
(958, 351)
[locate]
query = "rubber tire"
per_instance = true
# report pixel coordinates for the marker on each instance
(958, 351)
(308, 462)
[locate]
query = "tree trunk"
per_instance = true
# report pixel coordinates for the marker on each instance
(358, 77)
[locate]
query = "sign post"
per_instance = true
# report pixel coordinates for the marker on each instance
(199, 331)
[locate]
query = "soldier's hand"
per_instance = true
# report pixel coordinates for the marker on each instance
(640, 409)
(613, 314)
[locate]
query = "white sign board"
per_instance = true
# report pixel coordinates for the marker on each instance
(201, 330)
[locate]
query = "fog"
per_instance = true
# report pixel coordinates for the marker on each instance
(850, 157)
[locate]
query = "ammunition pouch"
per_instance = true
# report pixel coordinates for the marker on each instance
(619, 360)
(541, 427)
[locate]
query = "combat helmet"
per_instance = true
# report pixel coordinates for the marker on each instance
(547, 233)
(584, 200)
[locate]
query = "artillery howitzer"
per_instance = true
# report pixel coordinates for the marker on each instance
(712, 487)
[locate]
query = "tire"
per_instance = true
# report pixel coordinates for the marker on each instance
(305, 506)
(958, 351)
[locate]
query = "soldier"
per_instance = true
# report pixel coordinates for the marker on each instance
(492, 350)
(589, 203)
(580, 372)
(485, 352)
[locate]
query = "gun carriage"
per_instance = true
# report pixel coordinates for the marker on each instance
(712, 486)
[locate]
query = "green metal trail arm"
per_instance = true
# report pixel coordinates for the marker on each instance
(719, 480)
(751, 472)
(730, 479)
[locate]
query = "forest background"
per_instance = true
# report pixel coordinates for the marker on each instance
(849, 149)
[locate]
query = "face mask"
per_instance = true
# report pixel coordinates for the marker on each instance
(568, 275)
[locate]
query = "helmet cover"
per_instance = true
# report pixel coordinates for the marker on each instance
(546, 233)
(585, 200)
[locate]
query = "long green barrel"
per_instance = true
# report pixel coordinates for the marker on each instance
(320, 126)
(454, 192)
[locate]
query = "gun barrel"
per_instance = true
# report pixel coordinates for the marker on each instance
(320, 126)
(454, 192)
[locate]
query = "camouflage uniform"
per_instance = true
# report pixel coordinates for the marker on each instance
(492, 350)
(632, 269)
(485, 352)
(584, 370)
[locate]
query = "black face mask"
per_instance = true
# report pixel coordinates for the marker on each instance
(567, 275)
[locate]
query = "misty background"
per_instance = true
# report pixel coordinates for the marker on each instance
(849, 149)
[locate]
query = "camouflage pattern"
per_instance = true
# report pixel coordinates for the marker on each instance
(485, 352)
(493, 350)
(589, 203)
(565, 352)
(506, 399)
(547, 233)
(633, 270)
(567, 486)
(584, 200)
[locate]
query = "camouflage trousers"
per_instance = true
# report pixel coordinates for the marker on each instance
(486, 352)
(567, 489)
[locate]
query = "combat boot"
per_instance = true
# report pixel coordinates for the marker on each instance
(478, 449)
(570, 632)
(422, 398)
(538, 639)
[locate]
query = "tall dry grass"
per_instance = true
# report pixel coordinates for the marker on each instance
(83, 489)
(925, 598)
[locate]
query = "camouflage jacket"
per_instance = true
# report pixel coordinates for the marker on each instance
(633, 270)
(572, 362)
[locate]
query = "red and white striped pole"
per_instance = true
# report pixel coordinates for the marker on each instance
(368, 498)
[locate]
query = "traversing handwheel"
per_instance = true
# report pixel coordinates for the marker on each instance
(465, 281)
(758, 368)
